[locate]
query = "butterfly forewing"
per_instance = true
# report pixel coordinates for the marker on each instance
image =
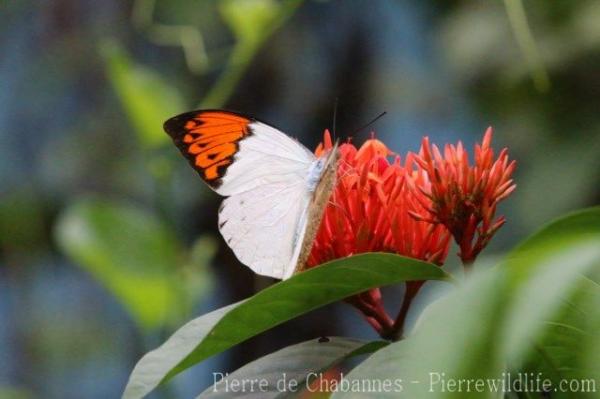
(209, 140)
(234, 153)
(262, 226)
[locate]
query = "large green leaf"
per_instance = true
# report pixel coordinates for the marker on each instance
(587, 365)
(285, 373)
(540, 297)
(553, 323)
(129, 251)
(569, 228)
(455, 339)
(491, 320)
(569, 347)
(220, 330)
(544, 270)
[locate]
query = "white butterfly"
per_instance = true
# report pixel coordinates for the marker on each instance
(276, 188)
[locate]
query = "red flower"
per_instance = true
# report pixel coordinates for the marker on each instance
(371, 206)
(411, 209)
(464, 197)
(370, 211)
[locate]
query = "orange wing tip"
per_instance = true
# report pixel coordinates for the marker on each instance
(209, 140)
(183, 123)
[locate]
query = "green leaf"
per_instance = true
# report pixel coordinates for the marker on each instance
(587, 365)
(569, 348)
(556, 256)
(288, 371)
(147, 99)
(153, 367)
(196, 279)
(566, 229)
(129, 251)
(220, 330)
(456, 338)
(539, 298)
(491, 321)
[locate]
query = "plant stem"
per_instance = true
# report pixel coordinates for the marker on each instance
(468, 265)
(396, 333)
(371, 307)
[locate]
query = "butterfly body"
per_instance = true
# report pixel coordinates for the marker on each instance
(274, 186)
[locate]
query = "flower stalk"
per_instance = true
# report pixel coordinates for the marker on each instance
(370, 305)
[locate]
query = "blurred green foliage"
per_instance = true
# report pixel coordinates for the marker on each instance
(569, 346)
(251, 21)
(522, 31)
(14, 393)
(146, 98)
(112, 240)
(136, 256)
(22, 225)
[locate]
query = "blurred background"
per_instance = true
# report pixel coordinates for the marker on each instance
(108, 239)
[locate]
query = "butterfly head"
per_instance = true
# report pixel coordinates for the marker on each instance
(322, 167)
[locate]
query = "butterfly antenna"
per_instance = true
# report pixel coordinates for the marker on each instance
(335, 107)
(370, 123)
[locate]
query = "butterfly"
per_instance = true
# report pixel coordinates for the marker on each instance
(276, 189)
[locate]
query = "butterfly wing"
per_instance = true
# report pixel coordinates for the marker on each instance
(263, 173)
(234, 153)
(263, 226)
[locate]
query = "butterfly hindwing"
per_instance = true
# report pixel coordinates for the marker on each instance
(263, 226)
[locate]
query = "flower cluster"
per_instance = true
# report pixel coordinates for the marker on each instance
(411, 207)
(464, 197)
(370, 209)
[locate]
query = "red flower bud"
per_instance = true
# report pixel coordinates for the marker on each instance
(465, 196)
